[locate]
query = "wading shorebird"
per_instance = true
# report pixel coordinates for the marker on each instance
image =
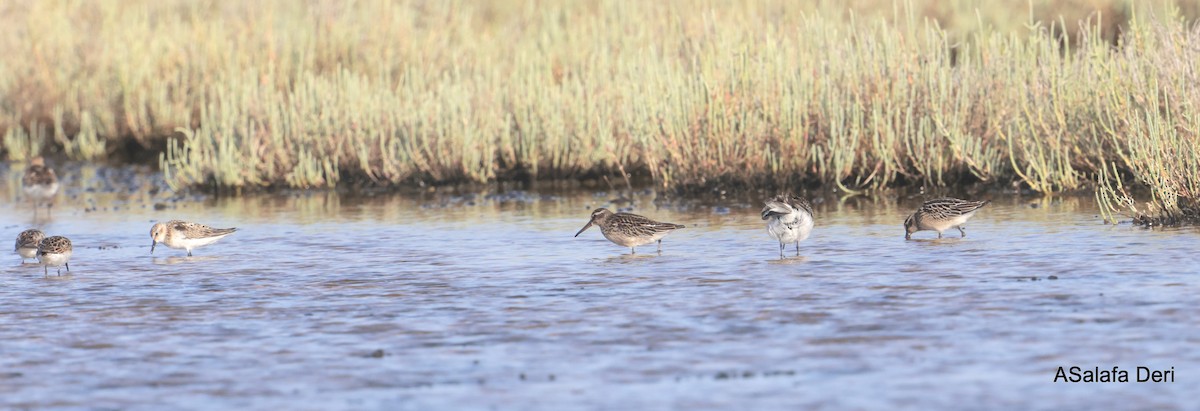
(27, 243)
(789, 220)
(629, 230)
(40, 184)
(942, 214)
(54, 251)
(185, 235)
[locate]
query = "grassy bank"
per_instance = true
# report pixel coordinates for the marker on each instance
(738, 93)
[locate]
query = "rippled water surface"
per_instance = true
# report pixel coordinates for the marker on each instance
(486, 301)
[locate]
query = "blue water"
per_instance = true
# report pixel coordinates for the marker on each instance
(486, 301)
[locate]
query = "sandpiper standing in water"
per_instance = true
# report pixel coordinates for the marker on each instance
(789, 220)
(185, 235)
(629, 230)
(40, 184)
(942, 214)
(54, 251)
(27, 243)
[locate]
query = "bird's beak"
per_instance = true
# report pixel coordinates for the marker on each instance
(152, 244)
(589, 224)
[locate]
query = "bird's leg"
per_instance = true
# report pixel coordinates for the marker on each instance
(782, 246)
(939, 234)
(962, 230)
(45, 271)
(660, 246)
(797, 249)
(189, 253)
(632, 250)
(68, 267)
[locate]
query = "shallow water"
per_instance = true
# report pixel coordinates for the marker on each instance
(484, 300)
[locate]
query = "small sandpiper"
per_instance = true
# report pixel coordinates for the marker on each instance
(27, 243)
(54, 251)
(789, 220)
(942, 214)
(629, 230)
(185, 235)
(40, 183)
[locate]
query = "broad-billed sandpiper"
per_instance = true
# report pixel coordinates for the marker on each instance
(40, 183)
(27, 243)
(54, 251)
(185, 235)
(942, 214)
(629, 230)
(789, 220)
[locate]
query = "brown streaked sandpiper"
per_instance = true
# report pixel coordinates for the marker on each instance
(629, 230)
(942, 214)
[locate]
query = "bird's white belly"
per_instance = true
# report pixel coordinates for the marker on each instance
(27, 252)
(54, 260)
(944, 225)
(190, 243)
(41, 191)
(634, 241)
(790, 228)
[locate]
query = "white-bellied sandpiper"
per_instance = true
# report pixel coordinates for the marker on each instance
(27, 243)
(789, 220)
(54, 251)
(185, 235)
(40, 184)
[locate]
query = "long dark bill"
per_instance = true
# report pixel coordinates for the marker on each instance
(589, 224)
(152, 244)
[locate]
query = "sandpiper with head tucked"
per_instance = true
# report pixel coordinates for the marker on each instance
(40, 183)
(54, 251)
(629, 230)
(27, 243)
(942, 214)
(185, 235)
(789, 220)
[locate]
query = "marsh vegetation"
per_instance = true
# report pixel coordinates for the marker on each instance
(1054, 96)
